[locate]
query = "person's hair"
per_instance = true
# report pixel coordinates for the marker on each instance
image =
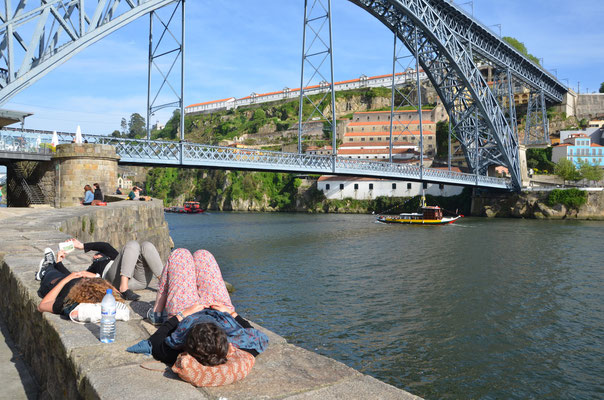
(87, 188)
(96, 185)
(91, 290)
(207, 343)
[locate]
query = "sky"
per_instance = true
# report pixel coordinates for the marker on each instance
(236, 47)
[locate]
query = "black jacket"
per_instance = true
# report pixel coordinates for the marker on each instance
(109, 252)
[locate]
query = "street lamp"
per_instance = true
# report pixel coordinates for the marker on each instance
(471, 2)
(499, 26)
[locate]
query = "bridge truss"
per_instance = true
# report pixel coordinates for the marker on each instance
(449, 45)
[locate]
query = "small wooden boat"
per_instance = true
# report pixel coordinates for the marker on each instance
(189, 207)
(425, 215)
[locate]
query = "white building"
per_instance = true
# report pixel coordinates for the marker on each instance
(361, 188)
(401, 78)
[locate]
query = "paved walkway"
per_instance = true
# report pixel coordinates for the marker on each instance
(16, 382)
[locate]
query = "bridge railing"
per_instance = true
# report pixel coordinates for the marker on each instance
(163, 152)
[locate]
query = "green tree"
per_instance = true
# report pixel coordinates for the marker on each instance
(136, 126)
(518, 45)
(602, 88)
(566, 170)
(442, 138)
(540, 159)
(590, 172)
(116, 133)
(124, 126)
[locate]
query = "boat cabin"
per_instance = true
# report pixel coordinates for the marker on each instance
(432, 212)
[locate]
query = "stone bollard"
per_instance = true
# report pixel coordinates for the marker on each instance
(77, 165)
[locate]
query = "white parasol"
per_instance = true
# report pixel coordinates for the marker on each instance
(55, 139)
(78, 136)
(38, 141)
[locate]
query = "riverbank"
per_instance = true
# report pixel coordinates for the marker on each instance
(69, 361)
(536, 204)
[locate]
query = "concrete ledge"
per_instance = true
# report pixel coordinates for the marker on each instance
(70, 362)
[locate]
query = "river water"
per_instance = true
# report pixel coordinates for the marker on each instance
(484, 308)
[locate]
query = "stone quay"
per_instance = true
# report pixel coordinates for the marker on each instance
(68, 360)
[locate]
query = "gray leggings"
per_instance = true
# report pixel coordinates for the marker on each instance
(139, 262)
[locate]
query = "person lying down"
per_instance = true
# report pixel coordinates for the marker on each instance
(201, 336)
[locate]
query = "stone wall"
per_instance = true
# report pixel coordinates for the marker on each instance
(534, 205)
(80, 165)
(121, 222)
(590, 105)
(49, 344)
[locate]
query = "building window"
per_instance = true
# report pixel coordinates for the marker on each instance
(363, 129)
(425, 185)
(393, 186)
(341, 186)
(371, 186)
(408, 186)
(356, 186)
(371, 139)
(350, 140)
(362, 139)
(327, 187)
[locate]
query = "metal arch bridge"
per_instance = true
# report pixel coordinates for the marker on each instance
(18, 145)
(445, 41)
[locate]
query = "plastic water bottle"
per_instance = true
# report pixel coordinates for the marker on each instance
(108, 317)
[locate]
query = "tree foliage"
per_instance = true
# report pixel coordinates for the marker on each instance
(137, 127)
(571, 198)
(518, 45)
(602, 88)
(442, 138)
(566, 170)
(590, 172)
(540, 159)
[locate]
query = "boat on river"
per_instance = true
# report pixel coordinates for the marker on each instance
(425, 215)
(189, 207)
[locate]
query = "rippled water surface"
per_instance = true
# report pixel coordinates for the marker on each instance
(480, 309)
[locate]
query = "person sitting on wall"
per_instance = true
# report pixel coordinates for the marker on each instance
(98, 194)
(134, 193)
(119, 190)
(88, 196)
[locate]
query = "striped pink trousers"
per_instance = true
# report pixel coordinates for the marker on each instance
(191, 279)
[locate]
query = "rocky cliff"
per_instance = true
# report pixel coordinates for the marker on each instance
(535, 205)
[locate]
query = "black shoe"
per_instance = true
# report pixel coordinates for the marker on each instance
(130, 295)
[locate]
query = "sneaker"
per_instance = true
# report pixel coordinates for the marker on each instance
(122, 313)
(156, 318)
(86, 312)
(130, 295)
(49, 255)
(49, 259)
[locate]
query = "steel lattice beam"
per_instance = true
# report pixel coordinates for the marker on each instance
(480, 124)
(56, 30)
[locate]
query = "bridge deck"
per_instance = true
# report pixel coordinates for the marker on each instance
(167, 153)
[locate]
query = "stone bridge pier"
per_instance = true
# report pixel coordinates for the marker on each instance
(60, 182)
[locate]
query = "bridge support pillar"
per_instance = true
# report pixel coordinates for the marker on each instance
(524, 176)
(77, 165)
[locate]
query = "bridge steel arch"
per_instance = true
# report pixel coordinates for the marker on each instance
(447, 59)
(57, 30)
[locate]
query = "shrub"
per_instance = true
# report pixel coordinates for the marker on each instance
(571, 198)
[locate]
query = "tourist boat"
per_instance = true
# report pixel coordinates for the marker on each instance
(425, 215)
(189, 207)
